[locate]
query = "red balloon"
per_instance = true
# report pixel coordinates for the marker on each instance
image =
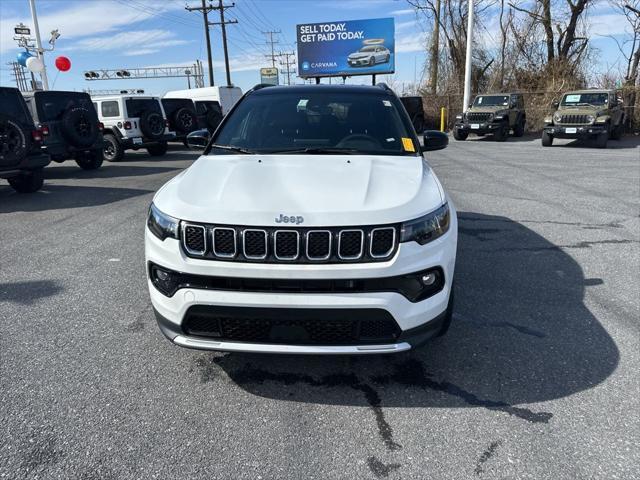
(63, 64)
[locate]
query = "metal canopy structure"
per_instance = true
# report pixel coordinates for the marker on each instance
(189, 71)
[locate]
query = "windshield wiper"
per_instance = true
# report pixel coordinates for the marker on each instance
(319, 150)
(232, 148)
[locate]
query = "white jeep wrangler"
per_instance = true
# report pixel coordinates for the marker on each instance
(132, 122)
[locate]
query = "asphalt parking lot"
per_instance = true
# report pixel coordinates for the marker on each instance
(537, 378)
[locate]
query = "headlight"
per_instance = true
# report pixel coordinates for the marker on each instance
(162, 225)
(499, 115)
(591, 118)
(557, 117)
(426, 229)
(459, 117)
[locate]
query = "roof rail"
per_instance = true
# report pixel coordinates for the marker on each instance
(384, 86)
(260, 86)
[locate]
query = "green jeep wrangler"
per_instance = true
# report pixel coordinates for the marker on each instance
(497, 114)
(594, 114)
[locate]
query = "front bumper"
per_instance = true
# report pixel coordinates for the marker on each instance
(574, 131)
(359, 62)
(423, 318)
(481, 128)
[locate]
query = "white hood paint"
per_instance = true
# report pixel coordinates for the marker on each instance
(327, 190)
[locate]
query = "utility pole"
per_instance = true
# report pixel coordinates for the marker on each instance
(40, 50)
(205, 15)
(435, 49)
(221, 8)
(272, 42)
(467, 63)
(287, 63)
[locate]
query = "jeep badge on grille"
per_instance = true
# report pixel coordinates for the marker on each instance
(290, 219)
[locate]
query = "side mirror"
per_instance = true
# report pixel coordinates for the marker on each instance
(198, 140)
(555, 104)
(434, 140)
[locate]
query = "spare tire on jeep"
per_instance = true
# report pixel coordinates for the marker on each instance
(14, 141)
(185, 120)
(214, 117)
(152, 124)
(79, 126)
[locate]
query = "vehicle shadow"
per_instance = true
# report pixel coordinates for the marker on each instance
(106, 171)
(521, 334)
(55, 197)
(27, 293)
(627, 141)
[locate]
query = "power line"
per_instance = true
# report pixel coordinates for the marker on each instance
(288, 63)
(272, 42)
(205, 12)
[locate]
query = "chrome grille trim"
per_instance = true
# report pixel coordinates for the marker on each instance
(329, 250)
(275, 244)
(393, 242)
(351, 257)
(184, 238)
(266, 244)
(213, 242)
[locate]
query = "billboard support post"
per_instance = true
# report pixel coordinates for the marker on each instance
(373, 79)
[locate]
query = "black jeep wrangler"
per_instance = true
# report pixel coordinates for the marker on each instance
(181, 113)
(415, 109)
(70, 126)
(22, 160)
(209, 114)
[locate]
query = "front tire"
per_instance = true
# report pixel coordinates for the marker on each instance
(90, 160)
(518, 130)
(113, 151)
(502, 133)
(158, 149)
(460, 136)
(616, 133)
(547, 140)
(372, 62)
(28, 182)
(602, 139)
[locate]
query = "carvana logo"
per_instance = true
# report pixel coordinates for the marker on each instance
(305, 65)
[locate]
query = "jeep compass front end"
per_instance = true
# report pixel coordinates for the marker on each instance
(311, 224)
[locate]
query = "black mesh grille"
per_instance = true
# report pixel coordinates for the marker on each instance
(255, 244)
(292, 326)
(224, 241)
(194, 238)
(382, 242)
(574, 119)
(350, 243)
(318, 244)
(478, 117)
(286, 244)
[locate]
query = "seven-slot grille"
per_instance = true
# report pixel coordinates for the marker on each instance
(574, 119)
(478, 117)
(294, 245)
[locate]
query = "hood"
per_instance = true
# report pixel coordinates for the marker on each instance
(356, 55)
(582, 111)
(326, 190)
(487, 108)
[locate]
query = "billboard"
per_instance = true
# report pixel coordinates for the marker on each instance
(269, 76)
(353, 47)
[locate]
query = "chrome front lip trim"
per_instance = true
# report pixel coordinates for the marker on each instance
(204, 344)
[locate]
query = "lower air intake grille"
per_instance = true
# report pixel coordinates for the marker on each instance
(292, 326)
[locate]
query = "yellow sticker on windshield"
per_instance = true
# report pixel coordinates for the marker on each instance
(407, 143)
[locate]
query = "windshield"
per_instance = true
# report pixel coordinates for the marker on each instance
(367, 123)
(491, 100)
(576, 99)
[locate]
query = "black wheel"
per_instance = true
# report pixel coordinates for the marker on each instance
(90, 159)
(602, 139)
(14, 142)
(185, 120)
(152, 124)
(157, 149)
(448, 316)
(388, 57)
(547, 140)
(28, 182)
(502, 133)
(460, 135)
(79, 126)
(518, 130)
(372, 62)
(112, 151)
(616, 133)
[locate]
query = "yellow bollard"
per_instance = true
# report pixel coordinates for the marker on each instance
(443, 112)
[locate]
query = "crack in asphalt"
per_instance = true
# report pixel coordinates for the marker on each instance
(380, 469)
(486, 456)
(487, 323)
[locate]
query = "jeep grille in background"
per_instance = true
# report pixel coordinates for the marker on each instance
(478, 117)
(293, 245)
(574, 119)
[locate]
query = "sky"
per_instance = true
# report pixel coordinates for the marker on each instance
(105, 34)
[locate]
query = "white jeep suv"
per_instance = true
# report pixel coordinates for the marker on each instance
(310, 224)
(132, 122)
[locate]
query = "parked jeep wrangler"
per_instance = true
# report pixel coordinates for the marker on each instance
(209, 114)
(181, 113)
(22, 160)
(132, 122)
(496, 114)
(69, 125)
(593, 114)
(413, 106)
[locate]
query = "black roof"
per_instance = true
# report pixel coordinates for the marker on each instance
(322, 88)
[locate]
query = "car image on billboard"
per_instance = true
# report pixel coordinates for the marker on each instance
(354, 47)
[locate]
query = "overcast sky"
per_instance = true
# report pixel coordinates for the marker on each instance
(135, 33)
